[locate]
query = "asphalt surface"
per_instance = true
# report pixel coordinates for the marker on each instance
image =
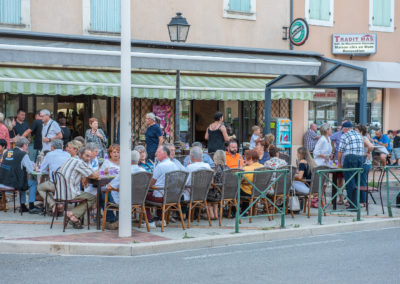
(357, 257)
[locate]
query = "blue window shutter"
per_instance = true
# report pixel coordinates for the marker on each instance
(382, 13)
(239, 5)
(105, 15)
(10, 12)
(320, 10)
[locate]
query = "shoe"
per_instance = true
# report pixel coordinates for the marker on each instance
(158, 223)
(172, 219)
(112, 226)
(35, 210)
(24, 208)
(152, 224)
(76, 225)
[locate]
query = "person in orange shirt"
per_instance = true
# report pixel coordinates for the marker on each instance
(233, 158)
(250, 164)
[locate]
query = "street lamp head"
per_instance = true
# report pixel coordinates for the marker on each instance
(178, 28)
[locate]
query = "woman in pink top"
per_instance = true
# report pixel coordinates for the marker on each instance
(4, 131)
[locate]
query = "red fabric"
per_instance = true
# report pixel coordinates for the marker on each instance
(4, 134)
(150, 197)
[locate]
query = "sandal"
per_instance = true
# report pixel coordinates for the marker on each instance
(340, 202)
(76, 225)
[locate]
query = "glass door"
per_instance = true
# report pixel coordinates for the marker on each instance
(76, 110)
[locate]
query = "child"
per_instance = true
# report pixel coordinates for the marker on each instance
(396, 149)
(256, 135)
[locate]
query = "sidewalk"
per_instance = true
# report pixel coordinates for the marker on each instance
(32, 233)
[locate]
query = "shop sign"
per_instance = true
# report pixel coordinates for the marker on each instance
(164, 112)
(325, 96)
(354, 44)
(298, 32)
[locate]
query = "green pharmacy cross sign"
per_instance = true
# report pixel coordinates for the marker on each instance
(298, 32)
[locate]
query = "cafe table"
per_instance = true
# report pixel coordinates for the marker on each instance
(99, 183)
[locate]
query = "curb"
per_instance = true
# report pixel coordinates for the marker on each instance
(106, 249)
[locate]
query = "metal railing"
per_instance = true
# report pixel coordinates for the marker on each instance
(325, 174)
(263, 195)
(388, 169)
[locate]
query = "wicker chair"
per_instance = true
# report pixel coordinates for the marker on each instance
(63, 199)
(4, 198)
(200, 185)
(140, 187)
(279, 187)
(261, 180)
(285, 157)
(173, 189)
(228, 188)
(314, 188)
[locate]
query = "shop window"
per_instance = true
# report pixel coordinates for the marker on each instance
(375, 100)
(12, 105)
(381, 15)
(15, 13)
(240, 9)
(99, 111)
(249, 119)
(102, 16)
(184, 121)
(319, 12)
(323, 109)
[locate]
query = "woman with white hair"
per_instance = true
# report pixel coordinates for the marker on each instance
(4, 134)
(323, 149)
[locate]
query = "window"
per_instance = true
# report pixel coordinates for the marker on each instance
(240, 9)
(323, 108)
(381, 14)
(102, 16)
(319, 12)
(15, 13)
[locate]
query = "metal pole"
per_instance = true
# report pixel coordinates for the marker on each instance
(125, 223)
(267, 111)
(177, 112)
(363, 100)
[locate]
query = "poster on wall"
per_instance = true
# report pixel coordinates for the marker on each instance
(320, 114)
(165, 115)
(330, 114)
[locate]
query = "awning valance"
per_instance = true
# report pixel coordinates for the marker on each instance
(73, 82)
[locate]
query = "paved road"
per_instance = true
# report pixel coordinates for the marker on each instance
(359, 257)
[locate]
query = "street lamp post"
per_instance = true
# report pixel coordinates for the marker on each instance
(178, 29)
(125, 215)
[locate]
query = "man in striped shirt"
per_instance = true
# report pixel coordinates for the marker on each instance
(75, 170)
(352, 148)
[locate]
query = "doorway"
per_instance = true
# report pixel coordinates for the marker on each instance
(76, 110)
(203, 116)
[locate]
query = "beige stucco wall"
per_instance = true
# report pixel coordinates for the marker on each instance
(391, 105)
(150, 19)
(299, 125)
(351, 17)
(56, 16)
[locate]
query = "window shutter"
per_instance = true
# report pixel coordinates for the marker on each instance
(105, 15)
(239, 5)
(315, 9)
(10, 12)
(320, 10)
(382, 13)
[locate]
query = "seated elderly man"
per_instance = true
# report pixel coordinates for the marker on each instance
(111, 220)
(383, 140)
(51, 163)
(206, 158)
(164, 166)
(94, 164)
(196, 158)
(75, 170)
(172, 150)
(13, 174)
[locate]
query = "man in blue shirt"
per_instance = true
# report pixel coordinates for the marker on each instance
(383, 140)
(153, 136)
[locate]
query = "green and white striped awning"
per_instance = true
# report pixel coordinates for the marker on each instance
(70, 82)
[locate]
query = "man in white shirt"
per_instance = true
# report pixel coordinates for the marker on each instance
(172, 157)
(111, 220)
(94, 164)
(50, 131)
(164, 166)
(51, 163)
(197, 164)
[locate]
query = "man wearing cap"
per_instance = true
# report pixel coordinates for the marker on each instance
(352, 148)
(153, 134)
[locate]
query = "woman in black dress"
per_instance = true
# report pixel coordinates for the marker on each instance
(216, 134)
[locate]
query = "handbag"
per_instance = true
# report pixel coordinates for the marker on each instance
(294, 203)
